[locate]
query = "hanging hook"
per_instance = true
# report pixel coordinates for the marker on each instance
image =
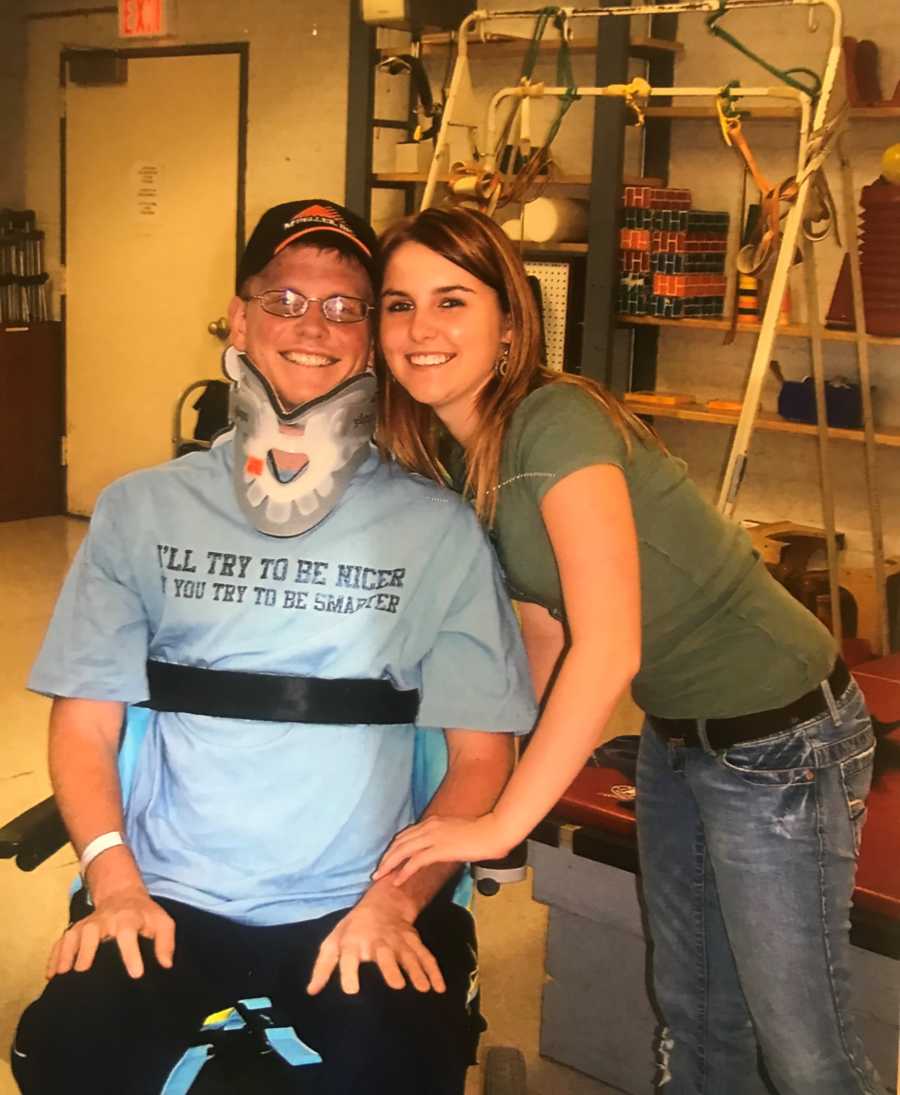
(728, 115)
(564, 23)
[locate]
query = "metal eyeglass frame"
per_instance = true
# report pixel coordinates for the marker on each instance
(322, 301)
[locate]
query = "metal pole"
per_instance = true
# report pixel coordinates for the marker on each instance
(737, 459)
(601, 271)
(818, 359)
(882, 643)
(360, 103)
(620, 91)
(460, 72)
(683, 7)
(483, 15)
(740, 446)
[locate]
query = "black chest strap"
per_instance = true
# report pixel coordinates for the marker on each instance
(269, 697)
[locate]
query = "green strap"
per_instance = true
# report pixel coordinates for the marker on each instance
(786, 75)
(564, 75)
(564, 103)
(504, 151)
(564, 78)
(544, 16)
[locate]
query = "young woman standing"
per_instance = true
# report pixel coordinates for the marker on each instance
(756, 754)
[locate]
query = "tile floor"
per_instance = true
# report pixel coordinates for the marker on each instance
(33, 559)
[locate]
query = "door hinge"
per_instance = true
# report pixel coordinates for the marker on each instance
(64, 451)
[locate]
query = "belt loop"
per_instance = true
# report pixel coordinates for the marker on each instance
(829, 701)
(704, 739)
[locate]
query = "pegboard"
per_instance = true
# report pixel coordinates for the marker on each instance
(555, 279)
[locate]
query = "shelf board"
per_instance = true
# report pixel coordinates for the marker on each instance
(790, 330)
(558, 180)
(696, 412)
(506, 45)
(651, 47)
(566, 248)
(769, 113)
(878, 113)
(20, 328)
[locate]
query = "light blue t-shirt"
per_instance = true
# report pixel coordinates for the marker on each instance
(264, 822)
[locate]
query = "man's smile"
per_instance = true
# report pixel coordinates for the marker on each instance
(310, 360)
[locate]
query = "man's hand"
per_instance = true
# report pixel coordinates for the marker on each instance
(378, 929)
(122, 916)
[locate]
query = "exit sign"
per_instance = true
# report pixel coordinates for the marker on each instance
(143, 18)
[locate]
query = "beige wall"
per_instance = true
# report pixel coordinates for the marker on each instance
(295, 147)
(297, 94)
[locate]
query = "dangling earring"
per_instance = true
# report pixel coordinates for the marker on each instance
(502, 362)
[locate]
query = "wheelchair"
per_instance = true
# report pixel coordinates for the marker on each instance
(248, 1028)
(211, 405)
(246, 1037)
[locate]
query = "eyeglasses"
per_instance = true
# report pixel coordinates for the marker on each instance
(289, 304)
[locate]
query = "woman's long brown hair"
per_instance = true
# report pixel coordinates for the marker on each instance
(410, 431)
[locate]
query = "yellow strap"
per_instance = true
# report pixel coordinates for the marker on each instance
(218, 1017)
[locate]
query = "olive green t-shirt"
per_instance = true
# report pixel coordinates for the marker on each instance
(720, 637)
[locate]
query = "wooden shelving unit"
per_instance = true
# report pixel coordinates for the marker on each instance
(610, 55)
(790, 330)
(648, 326)
(696, 412)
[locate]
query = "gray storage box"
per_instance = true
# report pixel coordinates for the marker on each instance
(596, 1013)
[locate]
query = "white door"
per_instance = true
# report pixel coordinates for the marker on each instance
(151, 215)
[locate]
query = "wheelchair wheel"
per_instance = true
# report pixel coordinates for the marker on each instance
(504, 1072)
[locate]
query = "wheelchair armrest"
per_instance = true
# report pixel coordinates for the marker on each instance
(33, 836)
(491, 874)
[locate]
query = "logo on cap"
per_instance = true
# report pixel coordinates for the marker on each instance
(318, 213)
(313, 217)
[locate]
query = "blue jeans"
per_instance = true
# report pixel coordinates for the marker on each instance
(748, 858)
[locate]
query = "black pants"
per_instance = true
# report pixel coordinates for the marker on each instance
(104, 1033)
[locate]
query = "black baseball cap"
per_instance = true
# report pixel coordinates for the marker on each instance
(316, 220)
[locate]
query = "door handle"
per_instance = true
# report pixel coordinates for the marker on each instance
(219, 327)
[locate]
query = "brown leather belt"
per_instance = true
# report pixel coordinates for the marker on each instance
(723, 733)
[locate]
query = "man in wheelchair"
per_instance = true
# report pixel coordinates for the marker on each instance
(280, 624)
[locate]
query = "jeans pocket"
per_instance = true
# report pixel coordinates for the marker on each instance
(856, 779)
(779, 760)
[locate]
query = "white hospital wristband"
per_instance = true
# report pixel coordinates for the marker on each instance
(97, 846)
